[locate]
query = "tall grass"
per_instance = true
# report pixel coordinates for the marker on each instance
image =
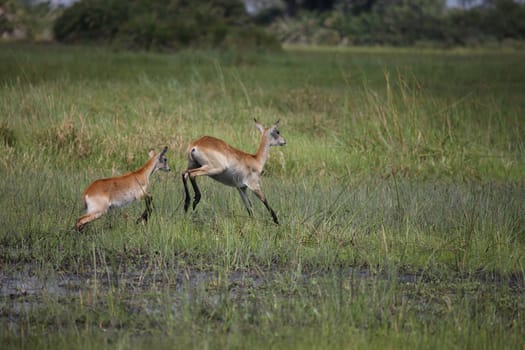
(400, 193)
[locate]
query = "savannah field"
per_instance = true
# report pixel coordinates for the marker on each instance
(400, 192)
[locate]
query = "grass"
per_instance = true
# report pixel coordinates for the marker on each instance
(400, 193)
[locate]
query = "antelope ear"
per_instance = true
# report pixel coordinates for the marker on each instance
(259, 126)
(151, 153)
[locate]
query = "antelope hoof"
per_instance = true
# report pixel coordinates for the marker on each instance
(195, 202)
(274, 217)
(142, 218)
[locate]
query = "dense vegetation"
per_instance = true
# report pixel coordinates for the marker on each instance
(159, 24)
(402, 23)
(170, 25)
(424, 22)
(400, 195)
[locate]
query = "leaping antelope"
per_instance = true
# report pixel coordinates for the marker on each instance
(230, 166)
(119, 191)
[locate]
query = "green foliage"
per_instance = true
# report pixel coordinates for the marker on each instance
(5, 25)
(406, 23)
(159, 24)
(7, 11)
(504, 20)
(24, 20)
(91, 20)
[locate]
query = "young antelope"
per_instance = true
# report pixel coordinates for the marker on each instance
(119, 191)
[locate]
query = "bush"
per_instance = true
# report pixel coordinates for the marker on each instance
(406, 23)
(91, 20)
(157, 24)
(144, 32)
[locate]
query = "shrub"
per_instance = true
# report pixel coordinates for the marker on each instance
(405, 22)
(91, 20)
(144, 32)
(156, 24)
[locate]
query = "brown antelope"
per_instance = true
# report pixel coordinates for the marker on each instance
(119, 191)
(230, 166)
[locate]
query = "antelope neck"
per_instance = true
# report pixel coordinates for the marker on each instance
(262, 152)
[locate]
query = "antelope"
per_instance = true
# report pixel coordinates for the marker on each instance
(232, 167)
(120, 191)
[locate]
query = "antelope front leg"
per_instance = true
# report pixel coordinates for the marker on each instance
(261, 196)
(245, 200)
(145, 216)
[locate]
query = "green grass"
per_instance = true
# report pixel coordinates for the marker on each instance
(400, 192)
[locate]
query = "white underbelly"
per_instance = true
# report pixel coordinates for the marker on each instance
(123, 200)
(230, 178)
